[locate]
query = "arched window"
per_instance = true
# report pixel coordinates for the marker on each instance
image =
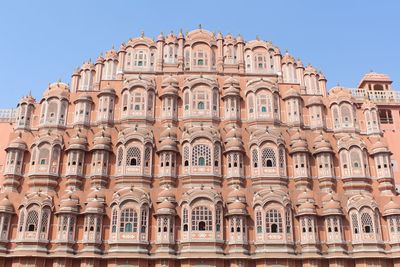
(32, 221)
(251, 104)
(345, 111)
(259, 222)
(268, 158)
(186, 156)
(185, 220)
(254, 154)
(366, 222)
(202, 219)
(354, 222)
(200, 105)
(128, 221)
(335, 114)
(133, 157)
(273, 221)
(140, 59)
(201, 155)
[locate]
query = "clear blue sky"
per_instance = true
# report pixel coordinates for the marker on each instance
(42, 41)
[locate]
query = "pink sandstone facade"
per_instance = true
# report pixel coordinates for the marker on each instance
(202, 150)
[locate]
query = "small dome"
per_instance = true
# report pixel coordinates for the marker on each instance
(310, 69)
(160, 37)
(305, 196)
(237, 205)
(28, 99)
(332, 207)
(321, 77)
(58, 90)
(287, 58)
(166, 205)
(83, 98)
(17, 143)
(6, 205)
(167, 193)
(95, 204)
(102, 141)
(237, 193)
(69, 203)
(239, 39)
(168, 133)
(96, 194)
(168, 145)
(107, 90)
(111, 54)
(322, 145)
(315, 100)
(78, 142)
(169, 86)
(379, 146)
(376, 77)
(291, 93)
(391, 208)
(234, 144)
(307, 208)
(233, 133)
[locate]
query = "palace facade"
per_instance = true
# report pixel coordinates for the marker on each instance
(202, 150)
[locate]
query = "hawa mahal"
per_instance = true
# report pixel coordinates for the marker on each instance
(201, 150)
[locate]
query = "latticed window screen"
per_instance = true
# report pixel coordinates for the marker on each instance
(366, 222)
(120, 156)
(288, 216)
(254, 154)
(273, 221)
(114, 220)
(32, 221)
(128, 221)
(216, 155)
(202, 219)
(346, 115)
(218, 215)
(143, 223)
(259, 222)
(354, 222)
(355, 158)
(133, 156)
(336, 225)
(268, 157)
(147, 156)
(201, 155)
(45, 220)
(335, 113)
(21, 220)
(185, 219)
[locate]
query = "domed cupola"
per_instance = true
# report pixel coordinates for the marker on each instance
(165, 214)
(6, 213)
(383, 166)
(76, 149)
(299, 151)
(322, 151)
(307, 215)
(101, 149)
(234, 152)
(231, 98)
(168, 150)
(58, 90)
(169, 98)
(25, 110)
(93, 223)
(294, 107)
(67, 216)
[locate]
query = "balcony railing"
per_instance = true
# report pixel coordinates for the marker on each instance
(376, 96)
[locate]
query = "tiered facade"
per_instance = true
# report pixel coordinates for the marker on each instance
(199, 150)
